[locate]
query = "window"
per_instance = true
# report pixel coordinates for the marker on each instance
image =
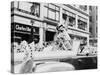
(90, 18)
(31, 8)
(71, 21)
(71, 17)
(83, 7)
(82, 23)
(57, 16)
(52, 6)
(35, 9)
(52, 12)
(45, 11)
(90, 8)
(25, 6)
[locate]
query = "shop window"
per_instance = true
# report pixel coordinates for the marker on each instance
(52, 12)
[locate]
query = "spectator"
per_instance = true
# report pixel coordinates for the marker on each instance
(14, 47)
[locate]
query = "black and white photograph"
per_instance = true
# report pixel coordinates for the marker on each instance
(53, 37)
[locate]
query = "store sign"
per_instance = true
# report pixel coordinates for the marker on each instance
(22, 28)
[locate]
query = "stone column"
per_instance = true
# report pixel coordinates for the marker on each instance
(41, 10)
(41, 29)
(61, 20)
(76, 26)
(41, 35)
(44, 30)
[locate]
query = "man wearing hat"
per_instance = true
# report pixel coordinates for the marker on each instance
(63, 35)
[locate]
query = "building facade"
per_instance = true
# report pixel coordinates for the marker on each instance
(38, 21)
(93, 25)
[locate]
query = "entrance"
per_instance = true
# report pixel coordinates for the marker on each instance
(50, 36)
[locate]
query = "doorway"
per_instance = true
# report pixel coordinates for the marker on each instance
(50, 36)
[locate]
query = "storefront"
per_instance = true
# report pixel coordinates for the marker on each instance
(50, 36)
(20, 32)
(50, 32)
